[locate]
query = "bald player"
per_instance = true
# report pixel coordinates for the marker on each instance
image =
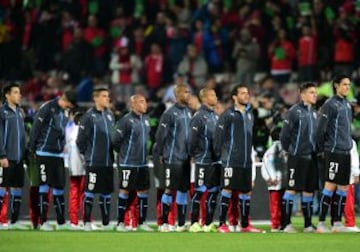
(129, 139)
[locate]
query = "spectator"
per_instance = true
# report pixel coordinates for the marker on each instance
(194, 67)
(247, 54)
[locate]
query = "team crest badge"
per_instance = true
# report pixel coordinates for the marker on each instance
(43, 178)
(291, 182)
(167, 182)
(91, 187)
(125, 183)
(226, 182)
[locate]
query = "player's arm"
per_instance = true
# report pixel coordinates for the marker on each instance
(85, 128)
(219, 135)
(162, 132)
(286, 131)
(119, 133)
(196, 126)
(324, 117)
(3, 155)
(40, 118)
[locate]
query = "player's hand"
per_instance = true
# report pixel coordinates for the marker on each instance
(356, 180)
(4, 163)
(82, 158)
(269, 182)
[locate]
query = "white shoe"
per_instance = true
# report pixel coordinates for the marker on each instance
(181, 229)
(274, 230)
(94, 227)
(322, 228)
(75, 227)
(232, 228)
(354, 229)
(88, 227)
(289, 229)
(108, 227)
(145, 227)
(195, 228)
(18, 226)
(310, 229)
(338, 227)
(130, 228)
(46, 227)
(62, 227)
(211, 228)
(172, 228)
(164, 228)
(4, 226)
(121, 228)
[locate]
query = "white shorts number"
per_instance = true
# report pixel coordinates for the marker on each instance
(333, 169)
(228, 172)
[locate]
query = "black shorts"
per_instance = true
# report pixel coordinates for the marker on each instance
(302, 173)
(236, 178)
(337, 168)
(99, 180)
(208, 175)
(12, 176)
(51, 171)
(177, 176)
(134, 178)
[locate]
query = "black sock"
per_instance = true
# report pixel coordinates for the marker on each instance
(286, 209)
(43, 206)
(224, 206)
(88, 205)
(245, 211)
(337, 207)
(195, 206)
(307, 209)
(210, 207)
(104, 203)
(59, 205)
(122, 205)
(324, 206)
(15, 208)
(166, 201)
(143, 206)
(181, 214)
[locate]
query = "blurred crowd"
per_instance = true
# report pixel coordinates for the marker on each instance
(147, 46)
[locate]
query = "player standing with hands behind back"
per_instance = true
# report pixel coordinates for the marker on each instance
(334, 139)
(298, 139)
(233, 145)
(94, 142)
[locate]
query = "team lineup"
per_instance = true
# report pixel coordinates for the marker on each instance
(219, 145)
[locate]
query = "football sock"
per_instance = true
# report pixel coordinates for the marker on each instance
(166, 201)
(143, 206)
(104, 203)
(122, 205)
(195, 206)
(224, 206)
(210, 207)
(338, 205)
(88, 205)
(286, 208)
(244, 201)
(324, 204)
(307, 209)
(59, 205)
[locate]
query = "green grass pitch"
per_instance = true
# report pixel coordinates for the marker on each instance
(28, 241)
